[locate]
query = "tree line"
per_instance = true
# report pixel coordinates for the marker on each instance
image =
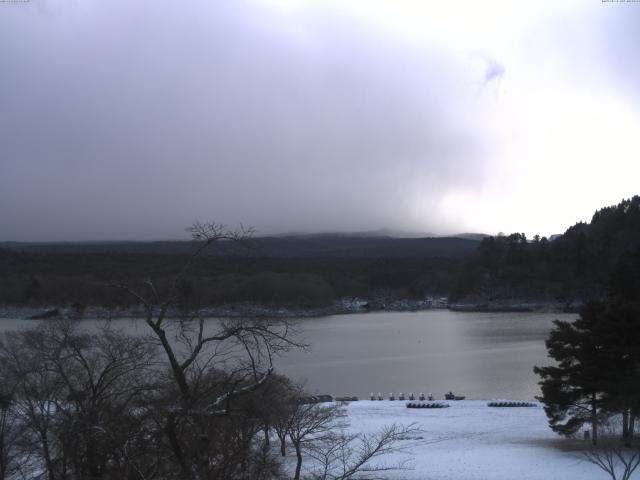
(571, 268)
(86, 279)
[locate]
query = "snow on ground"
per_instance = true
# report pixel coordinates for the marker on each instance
(471, 441)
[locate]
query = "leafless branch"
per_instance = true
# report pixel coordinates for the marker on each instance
(611, 456)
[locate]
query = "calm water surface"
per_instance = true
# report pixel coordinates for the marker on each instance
(480, 355)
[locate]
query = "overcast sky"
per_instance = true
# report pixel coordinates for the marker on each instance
(131, 119)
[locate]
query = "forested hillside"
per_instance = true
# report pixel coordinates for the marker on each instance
(316, 270)
(573, 267)
(307, 271)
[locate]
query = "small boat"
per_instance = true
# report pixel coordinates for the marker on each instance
(451, 396)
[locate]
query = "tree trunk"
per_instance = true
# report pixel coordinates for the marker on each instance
(632, 424)
(299, 461)
(172, 437)
(283, 443)
(47, 458)
(625, 427)
(3, 463)
(594, 419)
(178, 373)
(267, 442)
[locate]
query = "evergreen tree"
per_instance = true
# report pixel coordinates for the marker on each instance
(622, 340)
(573, 391)
(598, 355)
(622, 336)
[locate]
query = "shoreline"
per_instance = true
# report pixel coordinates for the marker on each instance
(251, 310)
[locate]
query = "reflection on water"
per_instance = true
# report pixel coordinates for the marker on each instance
(480, 355)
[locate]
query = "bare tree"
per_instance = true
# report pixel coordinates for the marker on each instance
(272, 404)
(310, 424)
(9, 431)
(106, 378)
(76, 401)
(282, 414)
(617, 458)
(211, 364)
(319, 432)
(345, 456)
(33, 403)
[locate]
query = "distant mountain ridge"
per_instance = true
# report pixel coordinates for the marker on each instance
(379, 233)
(313, 245)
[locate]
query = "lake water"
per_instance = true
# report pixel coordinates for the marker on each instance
(480, 355)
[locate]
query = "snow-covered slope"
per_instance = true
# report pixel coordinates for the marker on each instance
(471, 441)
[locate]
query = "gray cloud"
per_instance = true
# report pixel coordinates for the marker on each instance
(132, 119)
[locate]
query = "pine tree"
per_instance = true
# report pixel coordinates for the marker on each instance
(622, 336)
(573, 391)
(598, 355)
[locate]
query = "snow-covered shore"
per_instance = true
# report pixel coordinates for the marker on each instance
(471, 441)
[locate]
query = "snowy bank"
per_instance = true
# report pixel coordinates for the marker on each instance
(471, 441)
